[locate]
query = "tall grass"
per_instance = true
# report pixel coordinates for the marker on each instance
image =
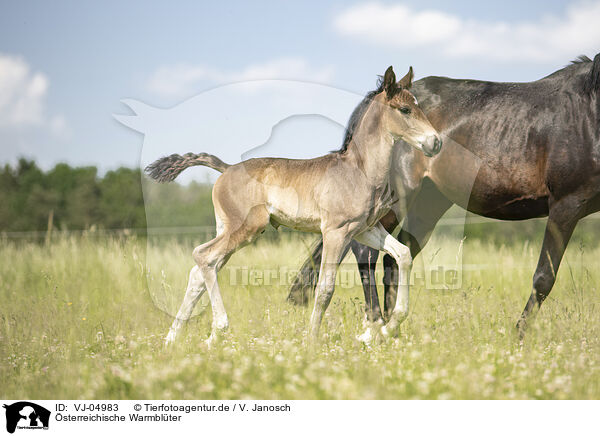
(85, 318)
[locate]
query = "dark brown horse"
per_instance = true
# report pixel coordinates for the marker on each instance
(535, 150)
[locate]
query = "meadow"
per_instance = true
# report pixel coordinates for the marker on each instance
(85, 316)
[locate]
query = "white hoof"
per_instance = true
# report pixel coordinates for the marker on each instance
(170, 338)
(373, 332)
(212, 340)
(366, 338)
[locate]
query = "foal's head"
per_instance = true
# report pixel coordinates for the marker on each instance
(403, 118)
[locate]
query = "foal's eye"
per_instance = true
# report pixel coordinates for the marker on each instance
(405, 110)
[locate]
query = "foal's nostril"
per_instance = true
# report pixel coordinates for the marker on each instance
(437, 145)
(432, 145)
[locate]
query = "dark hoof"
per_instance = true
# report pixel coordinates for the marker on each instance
(521, 327)
(298, 298)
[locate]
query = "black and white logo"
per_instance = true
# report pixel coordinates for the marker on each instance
(26, 415)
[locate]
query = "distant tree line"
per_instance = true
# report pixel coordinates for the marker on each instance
(76, 198)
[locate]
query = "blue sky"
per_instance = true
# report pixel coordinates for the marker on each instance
(65, 66)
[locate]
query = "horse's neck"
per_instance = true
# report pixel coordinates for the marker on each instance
(372, 147)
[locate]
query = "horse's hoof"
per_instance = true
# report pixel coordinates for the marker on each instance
(215, 337)
(366, 338)
(390, 332)
(374, 332)
(520, 328)
(170, 338)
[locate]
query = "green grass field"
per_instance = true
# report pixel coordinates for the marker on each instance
(78, 320)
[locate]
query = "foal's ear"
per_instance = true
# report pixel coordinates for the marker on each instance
(389, 82)
(406, 81)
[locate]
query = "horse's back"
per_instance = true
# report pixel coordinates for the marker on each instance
(520, 141)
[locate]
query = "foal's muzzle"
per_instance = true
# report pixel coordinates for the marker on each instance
(432, 145)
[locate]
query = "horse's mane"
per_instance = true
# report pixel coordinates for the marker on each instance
(581, 59)
(357, 115)
(592, 80)
(591, 84)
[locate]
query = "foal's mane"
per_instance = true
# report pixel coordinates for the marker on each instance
(357, 115)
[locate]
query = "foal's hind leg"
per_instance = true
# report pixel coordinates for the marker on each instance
(195, 290)
(210, 258)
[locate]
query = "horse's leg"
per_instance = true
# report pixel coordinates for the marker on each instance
(562, 219)
(379, 239)
(210, 258)
(426, 210)
(195, 290)
(334, 244)
(303, 287)
(366, 258)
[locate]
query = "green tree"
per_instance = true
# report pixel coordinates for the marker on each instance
(121, 200)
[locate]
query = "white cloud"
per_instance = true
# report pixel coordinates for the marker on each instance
(23, 95)
(547, 39)
(184, 80)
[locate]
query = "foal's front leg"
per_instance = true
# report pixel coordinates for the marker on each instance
(334, 244)
(378, 238)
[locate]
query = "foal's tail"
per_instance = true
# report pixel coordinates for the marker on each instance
(166, 169)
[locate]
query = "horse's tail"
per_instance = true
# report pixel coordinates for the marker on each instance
(166, 169)
(304, 283)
